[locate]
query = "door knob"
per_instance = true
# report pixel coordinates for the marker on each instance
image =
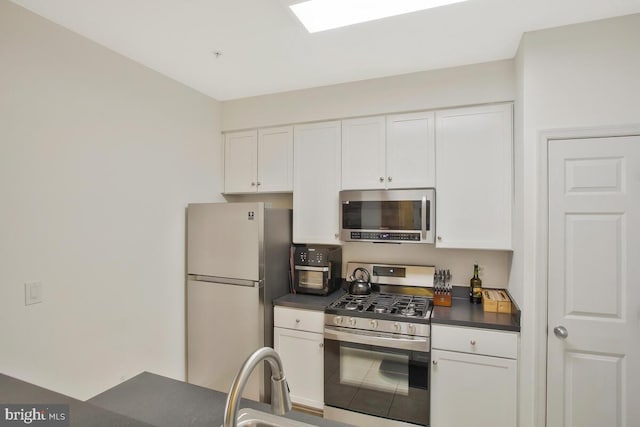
(561, 332)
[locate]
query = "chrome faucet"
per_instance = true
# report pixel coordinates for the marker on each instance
(280, 400)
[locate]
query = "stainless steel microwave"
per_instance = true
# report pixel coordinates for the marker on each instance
(398, 216)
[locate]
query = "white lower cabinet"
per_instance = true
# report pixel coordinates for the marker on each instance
(298, 339)
(474, 377)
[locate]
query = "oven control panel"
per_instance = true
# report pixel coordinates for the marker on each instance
(380, 325)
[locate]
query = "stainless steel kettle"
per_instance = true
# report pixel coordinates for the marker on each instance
(360, 284)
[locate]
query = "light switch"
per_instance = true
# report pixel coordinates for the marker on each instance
(32, 293)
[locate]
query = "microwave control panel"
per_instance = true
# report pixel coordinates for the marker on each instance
(368, 235)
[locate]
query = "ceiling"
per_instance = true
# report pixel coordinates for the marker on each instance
(264, 48)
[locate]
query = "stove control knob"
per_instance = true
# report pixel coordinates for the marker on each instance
(396, 327)
(374, 324)
(411, 328)
(337, 320)
(352, 321)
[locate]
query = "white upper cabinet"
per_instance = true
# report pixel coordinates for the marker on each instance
(259, 161)
(316, 183)
(396, 151)
(474, 177)
(411, 150)
(364, 153)
(240, 162)
(275, 159)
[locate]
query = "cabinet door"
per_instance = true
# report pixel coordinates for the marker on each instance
(275, 159)
(474, 179)
(410, 150)
(473, 390)
(303, 362)
(363, 153)
(316, 183)
(240, 162)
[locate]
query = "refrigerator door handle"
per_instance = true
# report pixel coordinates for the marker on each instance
(225, 280)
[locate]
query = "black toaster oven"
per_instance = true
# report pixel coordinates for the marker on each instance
(316, 269)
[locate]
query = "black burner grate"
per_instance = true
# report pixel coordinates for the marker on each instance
(385, 303)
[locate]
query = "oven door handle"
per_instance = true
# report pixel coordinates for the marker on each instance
(413, 343)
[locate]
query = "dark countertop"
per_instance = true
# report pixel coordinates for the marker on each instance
(308, 302)
(81, 414)
(146, 400)
(164, 402)
(461, 313)
(464, 313)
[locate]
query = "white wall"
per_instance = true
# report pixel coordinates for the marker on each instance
(472, 84)
(98, 158)
(580, 76)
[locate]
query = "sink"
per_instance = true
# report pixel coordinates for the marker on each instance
(253, 418)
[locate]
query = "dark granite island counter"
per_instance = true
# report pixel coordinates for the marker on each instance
(164, 402)
(81, 414)
(145, 400)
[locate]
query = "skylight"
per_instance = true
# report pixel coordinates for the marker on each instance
(321, 15)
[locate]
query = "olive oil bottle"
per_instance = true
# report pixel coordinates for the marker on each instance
(475, 287)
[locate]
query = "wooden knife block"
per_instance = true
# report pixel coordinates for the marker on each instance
(442, 299)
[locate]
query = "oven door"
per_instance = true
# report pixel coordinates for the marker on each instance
(376, 374)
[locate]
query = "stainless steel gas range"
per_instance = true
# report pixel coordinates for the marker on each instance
(377, 349)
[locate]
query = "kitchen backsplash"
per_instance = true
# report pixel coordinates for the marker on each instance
(494, 265)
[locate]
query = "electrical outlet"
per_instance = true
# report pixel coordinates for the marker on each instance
(32, 293)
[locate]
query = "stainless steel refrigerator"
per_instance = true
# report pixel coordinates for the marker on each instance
(237, 263)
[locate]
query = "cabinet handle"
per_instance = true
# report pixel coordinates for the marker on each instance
(439, 238)
(321, 345)
(435, 362)
(336, 235)
(473, 342)
(297, 320)
(381, 179)
(259, 183)
(389, 179)
(253, 184)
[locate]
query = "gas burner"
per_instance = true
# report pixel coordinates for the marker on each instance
(384, 304)
(409, 310)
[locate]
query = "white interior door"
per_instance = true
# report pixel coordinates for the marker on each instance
(593, 371)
